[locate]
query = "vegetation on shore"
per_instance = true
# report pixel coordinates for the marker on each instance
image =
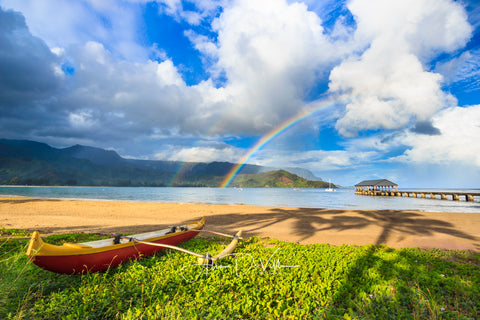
(275, 179)
(270, 179)
(266, 279)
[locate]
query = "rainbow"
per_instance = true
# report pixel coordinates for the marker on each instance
(178, 174)
(270, 136)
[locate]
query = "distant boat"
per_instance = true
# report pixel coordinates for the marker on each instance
(329, 189)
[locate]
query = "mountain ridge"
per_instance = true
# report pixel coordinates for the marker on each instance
(30, 162)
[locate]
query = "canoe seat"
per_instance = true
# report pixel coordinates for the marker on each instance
(75, 245)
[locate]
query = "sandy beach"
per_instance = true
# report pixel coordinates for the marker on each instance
(334, 226)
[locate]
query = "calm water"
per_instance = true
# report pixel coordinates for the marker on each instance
(302, 198)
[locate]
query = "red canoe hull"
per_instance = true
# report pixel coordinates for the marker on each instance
(102, 261)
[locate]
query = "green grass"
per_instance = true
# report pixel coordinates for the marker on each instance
(267, 279)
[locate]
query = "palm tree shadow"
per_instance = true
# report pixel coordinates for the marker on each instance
(308, 222)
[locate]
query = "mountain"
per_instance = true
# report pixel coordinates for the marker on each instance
(304, 173)
(34, 163)
(27, 149)
(30, 163)
(275, 179)
(95, 155)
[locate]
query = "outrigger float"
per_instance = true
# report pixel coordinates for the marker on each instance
(101, 255)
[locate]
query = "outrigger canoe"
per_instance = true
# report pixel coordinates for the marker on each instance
(100, 255)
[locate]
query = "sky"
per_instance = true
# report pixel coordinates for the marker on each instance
(350, 90)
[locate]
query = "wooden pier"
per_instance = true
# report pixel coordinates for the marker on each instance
(442, 195)
(387, 188)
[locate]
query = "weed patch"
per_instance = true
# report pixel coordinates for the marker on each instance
(264, 279)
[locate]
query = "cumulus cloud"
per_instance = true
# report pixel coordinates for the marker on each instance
(316, 160)
(389, 82)
(105, 97)
(205, 152)
(115, 24)
(458, 143)
(272, 53)
(139, 96)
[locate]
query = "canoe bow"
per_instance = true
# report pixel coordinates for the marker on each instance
(100, 255)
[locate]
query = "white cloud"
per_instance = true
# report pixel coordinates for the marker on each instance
(388, 81)
(61, 24)
(82, 119)
(205, 154)
(149, 95)
(167, 74)
(463, 70)
(315, 160)
(272, 54)
(203, 9)
(422, 27)
(458, 142)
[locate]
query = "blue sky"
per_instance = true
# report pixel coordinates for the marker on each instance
(204, 80)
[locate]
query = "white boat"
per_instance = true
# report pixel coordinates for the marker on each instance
(329, 189)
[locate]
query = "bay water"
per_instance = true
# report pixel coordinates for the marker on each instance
(278, 197)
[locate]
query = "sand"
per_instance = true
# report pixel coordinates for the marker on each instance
(394, 228)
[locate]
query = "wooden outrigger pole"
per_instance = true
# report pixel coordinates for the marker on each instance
(202, 258)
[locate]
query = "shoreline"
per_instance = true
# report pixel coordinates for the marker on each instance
(345, 199)
(394, 228)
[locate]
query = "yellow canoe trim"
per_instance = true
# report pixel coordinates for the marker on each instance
(37, 247)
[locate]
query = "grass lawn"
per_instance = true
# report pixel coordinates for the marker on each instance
(265, 279)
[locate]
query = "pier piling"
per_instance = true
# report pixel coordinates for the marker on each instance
(384, 187)
(454, 196)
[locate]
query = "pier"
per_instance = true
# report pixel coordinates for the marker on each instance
(389, 189)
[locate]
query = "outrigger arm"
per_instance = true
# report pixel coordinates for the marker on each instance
(202, 258)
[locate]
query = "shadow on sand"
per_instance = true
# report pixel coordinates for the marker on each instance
(305, 224)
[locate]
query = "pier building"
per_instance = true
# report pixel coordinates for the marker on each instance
(384, 187)
(375, 187)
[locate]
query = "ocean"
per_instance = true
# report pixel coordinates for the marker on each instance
(277, 197)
